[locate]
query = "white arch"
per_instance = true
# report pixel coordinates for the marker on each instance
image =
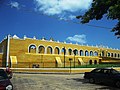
(71, 50)
(95, 53)
(91, 53)
(43, 46)
(55, 48)
(50, 47)
(81, 54)
(118, 55)
(108, 54)
(34, 45)
(62, 49)
(115, 55)
(86, 53)
(77, 50)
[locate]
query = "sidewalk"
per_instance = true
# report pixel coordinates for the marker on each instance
(53, 70)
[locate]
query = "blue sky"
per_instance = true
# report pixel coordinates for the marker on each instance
(48, 18)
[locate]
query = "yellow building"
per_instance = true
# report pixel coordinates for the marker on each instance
(31, 52)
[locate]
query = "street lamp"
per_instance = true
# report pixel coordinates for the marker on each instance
(64, 55)
(74, 51)
(70, 59)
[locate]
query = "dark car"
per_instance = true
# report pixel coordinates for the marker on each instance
(104, 75)
(5, 83)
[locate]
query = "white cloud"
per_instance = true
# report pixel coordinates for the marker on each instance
(78, 38)
(71, 17)
(61, 7)
(14, 5)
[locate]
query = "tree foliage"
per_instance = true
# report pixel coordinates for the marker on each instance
(99, 8)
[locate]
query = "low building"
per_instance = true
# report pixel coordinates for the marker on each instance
(31, 52)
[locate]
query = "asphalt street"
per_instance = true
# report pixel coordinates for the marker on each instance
(23, 81)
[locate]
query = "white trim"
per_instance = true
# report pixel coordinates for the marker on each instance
(35, 46)
(71, 51)
(50, 47)
(55, 48)
(42, 46)
(8, 47)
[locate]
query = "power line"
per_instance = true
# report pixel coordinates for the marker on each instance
(54, 17)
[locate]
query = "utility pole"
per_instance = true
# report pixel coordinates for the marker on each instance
(8, 47)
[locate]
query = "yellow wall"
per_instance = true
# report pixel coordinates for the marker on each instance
(20, 49)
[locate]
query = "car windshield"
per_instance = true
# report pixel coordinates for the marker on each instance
(114, 71)
(3, 75)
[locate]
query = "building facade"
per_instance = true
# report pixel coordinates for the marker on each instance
(31, 52)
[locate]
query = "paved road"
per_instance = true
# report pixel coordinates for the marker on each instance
(54, 82)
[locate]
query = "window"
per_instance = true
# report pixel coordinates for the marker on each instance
(70, 51)
(114, 71)
(115, 55)
(63, 51)
(86, 53)
(32, 49)
(118, 55)
(75, 52)
(95, 53)
(91, 53)
(96, 70)
(41, 50)
(108, 54)
(102, 54)
(90, 62)
(81, 53)
(95, 61)
(49, 50)
(57, 51)
(111, 54)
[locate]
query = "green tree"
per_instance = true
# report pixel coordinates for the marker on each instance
(100, 8)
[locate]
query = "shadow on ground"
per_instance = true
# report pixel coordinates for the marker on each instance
(103, 86)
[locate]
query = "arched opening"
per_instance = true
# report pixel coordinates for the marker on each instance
(102, 54)
(111, 54)
(90, 62)
(70, 51)
(118, 55)
(63, 51)
(86, 53)
(32, 49)
(100, 61)
(115, 55)
(108, 54)
(95, 61)
(95, 53)
(81, 53)
(91, 53)
(57, 51)
(41, 49)
(49, 50)
(75, 52)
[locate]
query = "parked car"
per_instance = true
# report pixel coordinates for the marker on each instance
(104, 75)
(5, 83)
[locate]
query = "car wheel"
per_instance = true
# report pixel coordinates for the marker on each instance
(91, 80)
(118, 83)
